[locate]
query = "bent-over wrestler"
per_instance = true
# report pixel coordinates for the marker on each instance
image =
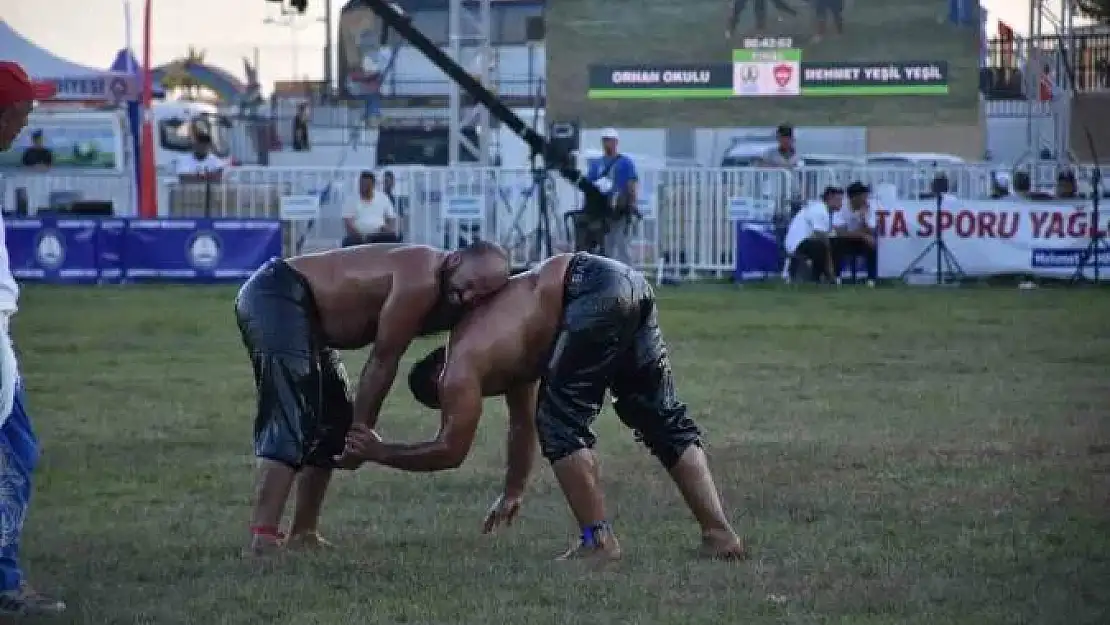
(293, 314)
(579, 324)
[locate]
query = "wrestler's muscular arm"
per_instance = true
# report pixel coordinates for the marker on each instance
(461, 398)
(522, 447)
(522, 441)
(410, 300)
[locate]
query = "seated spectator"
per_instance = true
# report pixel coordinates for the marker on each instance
(854, 232)
(300, 129)
(1067, 187)
(807, 239)
(1000, 185)
(1023, 188)
(38, 155)
(369, 217)
(201, 165)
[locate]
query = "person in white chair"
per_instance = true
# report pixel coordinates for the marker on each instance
(369, 217)
(19, 448)
(807, 238)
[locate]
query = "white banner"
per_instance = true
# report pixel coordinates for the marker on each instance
(991, 237)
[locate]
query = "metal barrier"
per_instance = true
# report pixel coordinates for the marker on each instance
(688, 213)
(31, 192)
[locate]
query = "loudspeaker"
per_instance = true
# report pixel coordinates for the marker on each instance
(533, 28)
(563, 137)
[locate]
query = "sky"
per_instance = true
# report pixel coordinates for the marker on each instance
(91, 31)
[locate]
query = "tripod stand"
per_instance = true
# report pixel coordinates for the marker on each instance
(542, 246)
(1098, 245)
(947, 267)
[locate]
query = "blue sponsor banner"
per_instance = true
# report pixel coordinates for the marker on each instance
(166, 250)
(54, 250)
(199, 250)
(757, 251)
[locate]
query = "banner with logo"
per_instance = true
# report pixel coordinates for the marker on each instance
(112, 250)
(198, 250)
(56, 250)
(986, 238)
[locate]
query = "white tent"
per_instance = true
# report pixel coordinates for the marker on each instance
(72, 81)
(39, 62)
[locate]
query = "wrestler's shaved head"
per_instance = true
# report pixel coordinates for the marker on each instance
(475, 272)
(424, 378)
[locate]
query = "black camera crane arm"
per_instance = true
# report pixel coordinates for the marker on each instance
(393, 17)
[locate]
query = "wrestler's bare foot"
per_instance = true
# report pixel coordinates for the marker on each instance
(608, 550)
(262, 546)
(722, 546)
(307, 541)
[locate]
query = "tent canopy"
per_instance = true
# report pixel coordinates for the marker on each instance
(39, 62)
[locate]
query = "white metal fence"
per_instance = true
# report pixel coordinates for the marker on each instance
(687, 223)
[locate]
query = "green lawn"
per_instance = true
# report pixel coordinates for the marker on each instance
(897, 456)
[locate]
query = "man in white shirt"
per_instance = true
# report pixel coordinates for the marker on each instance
(201, 164)
(369, 217)
(807, 238)
(19, 450)
(854, 232)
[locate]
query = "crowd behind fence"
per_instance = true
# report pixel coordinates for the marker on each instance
(688, 219)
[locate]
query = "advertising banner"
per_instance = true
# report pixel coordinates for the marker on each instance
(110, 250)
(986, 238)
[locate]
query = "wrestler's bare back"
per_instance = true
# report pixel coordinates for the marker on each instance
(351, 285)
(506, 340)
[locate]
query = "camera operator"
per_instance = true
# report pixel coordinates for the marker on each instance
(854, 232)
(808, 237)
(615, 176)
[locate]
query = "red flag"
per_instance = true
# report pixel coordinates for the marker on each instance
(148, 180)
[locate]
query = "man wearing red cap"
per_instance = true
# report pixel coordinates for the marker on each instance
(19, 450)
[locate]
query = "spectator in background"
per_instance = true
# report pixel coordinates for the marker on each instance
(201, 165)
(38, 155)
(823, 10)
(1067, 187)
(300, 129)
(1023, 188)
(785, 154)
(854, 230)
(807, 239)
(369, 218)
(1000, 185)
(388, 184)
(616, 178)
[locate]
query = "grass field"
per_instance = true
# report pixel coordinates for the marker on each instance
(893, 457)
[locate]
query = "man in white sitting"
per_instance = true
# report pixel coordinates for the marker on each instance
(369, 217)
(200, 165)
(854, 233)
(807, 238)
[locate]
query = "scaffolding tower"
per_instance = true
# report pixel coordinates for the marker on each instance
(1051, 46)
(470, 45)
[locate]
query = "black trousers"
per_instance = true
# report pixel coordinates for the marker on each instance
(610, 339)
(304, 408)
(851, 248)
(816, 251)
